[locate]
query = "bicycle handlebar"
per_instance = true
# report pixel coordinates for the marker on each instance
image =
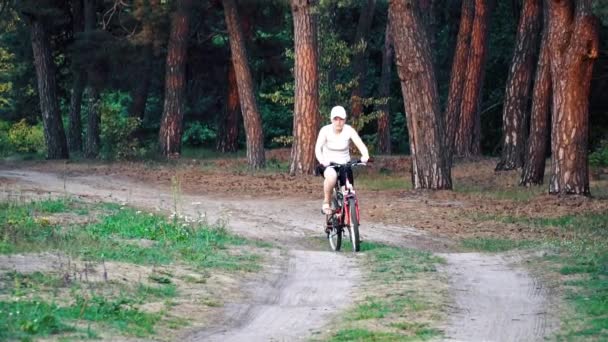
(350, 163)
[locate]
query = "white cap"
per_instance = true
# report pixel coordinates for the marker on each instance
(338, 111)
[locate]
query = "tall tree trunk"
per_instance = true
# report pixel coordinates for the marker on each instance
(75, 119)
(251, 115)
(384, 122)
(228, 123)
(228, 130)
(95, 83)
(93, 142)
(574, 41)
(534, 161)
(458, 73)
(519, 82)
(79, 82)
(306, 108)
(170, 134)
(468, 140)
(54, 134)
(360, 45)
(139, 94)
(430, 162)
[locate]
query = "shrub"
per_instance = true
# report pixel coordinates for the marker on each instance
(117, 141)
(599, 157)
(197, 134)
(27, 139)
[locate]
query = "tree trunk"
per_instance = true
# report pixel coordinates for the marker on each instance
(93, 142)
(306, 108)
(95, 82)
(430, 162)
(228, 130)
(574, 41)
(251, 115)
(384, 121)
(458, 73)
(54, 134)
(170, 135)
(515, 107)
(361, 49)
(139, 93)
(75, 120)
(468, 140)
(534, 161)
(79, 82)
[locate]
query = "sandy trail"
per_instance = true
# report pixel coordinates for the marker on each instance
(492, 299)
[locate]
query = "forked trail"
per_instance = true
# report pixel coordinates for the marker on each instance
(492, 300)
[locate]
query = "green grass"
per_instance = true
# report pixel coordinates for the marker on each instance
(498, 245)
(518, 193)
(382, 182)
(394, 313)
(117, 233)
(115, 237)
(583, 254)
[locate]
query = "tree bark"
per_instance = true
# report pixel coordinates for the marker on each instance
(458, 73)
(251, 115)
(430, 162)
(54, 134)
(533, 172)
(79, 82)
(75, 120)
(139, 94)
(306, 108)
(384, 122)
(468, 140)
(228, 130)
(573, 41)
(95, 82)
(93, 142)
(170, 134)
(360, 46)
(515, 107)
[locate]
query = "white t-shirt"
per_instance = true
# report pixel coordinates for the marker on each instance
(332, 147)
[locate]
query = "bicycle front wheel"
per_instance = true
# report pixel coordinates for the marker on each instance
(354, 225)
(335, 233)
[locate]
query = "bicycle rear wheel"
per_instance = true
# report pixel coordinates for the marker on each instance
(354, 225)
(335, 233)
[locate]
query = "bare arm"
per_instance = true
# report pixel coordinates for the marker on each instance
(360, 146)
(321, 139)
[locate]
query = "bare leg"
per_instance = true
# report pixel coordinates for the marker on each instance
(328, 184)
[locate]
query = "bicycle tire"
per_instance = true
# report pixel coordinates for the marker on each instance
(354, 225)
(335, 234)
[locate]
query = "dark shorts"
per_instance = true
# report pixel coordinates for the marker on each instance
(343, 172)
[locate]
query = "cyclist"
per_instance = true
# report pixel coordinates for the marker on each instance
(333, 147)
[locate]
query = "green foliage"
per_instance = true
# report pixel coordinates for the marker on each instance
(198, 134)
(25, 319)
(117, 128)
(498, 245)
(25, 138)
(599, 157)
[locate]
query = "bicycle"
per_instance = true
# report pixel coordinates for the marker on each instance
(344, 210)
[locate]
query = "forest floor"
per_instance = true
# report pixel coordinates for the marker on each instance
(304, 288)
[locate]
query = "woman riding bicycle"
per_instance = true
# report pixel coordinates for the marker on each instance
(333, 147)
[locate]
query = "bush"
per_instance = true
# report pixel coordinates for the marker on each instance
(599, 157)
(5, 145)
(27, 139)
(117, 141)
(197, 134)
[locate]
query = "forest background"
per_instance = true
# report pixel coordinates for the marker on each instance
(111, 64)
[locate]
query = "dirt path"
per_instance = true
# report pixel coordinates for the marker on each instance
(492, 299)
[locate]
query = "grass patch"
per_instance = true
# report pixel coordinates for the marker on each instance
(582, 253)
(497, 245)
(383, 182)
(114, 233)
(400, 310)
